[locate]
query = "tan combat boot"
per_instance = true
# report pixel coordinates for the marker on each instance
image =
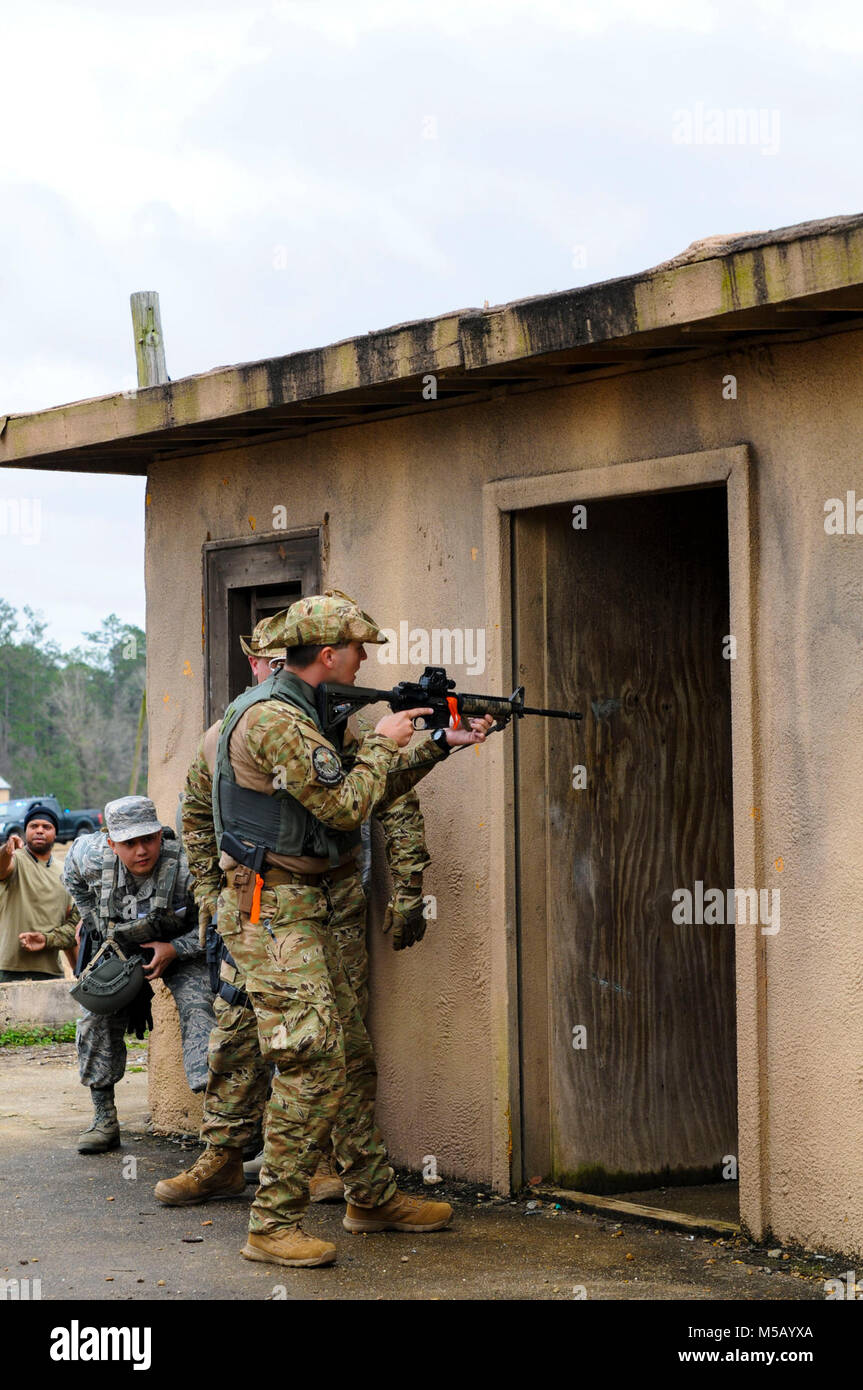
(217, 1173)
(326, 1185)
(292, 1246)
(400, 1213)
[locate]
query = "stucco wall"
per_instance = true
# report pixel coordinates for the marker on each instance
(404, 500)
(173, 1107)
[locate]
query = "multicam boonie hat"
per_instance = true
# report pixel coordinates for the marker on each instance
(268, 638)
(326, 619)
(131, 816)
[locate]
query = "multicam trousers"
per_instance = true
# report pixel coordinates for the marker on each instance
(239, 1079)
(100, 1038)
(309, 1026)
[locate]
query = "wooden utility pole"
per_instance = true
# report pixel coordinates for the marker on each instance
(152, 371)
(149, 343)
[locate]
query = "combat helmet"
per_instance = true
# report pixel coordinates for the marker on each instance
(110, 982)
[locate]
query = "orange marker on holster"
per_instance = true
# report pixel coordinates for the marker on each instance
(255, 914)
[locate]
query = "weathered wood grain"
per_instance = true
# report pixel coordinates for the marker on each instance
(636, 607)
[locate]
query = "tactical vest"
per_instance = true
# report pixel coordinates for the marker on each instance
(166, 868)
(277, 822)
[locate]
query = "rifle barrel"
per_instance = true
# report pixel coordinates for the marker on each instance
(551, 713)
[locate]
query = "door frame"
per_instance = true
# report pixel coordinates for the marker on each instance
(732, 468)
(312, 538)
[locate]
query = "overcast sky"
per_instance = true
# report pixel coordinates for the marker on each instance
(292, 173)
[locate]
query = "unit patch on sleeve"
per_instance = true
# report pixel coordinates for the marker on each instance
(327, 767)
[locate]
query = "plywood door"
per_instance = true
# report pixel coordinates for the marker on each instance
(625, 620)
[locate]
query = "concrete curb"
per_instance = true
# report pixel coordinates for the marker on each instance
(40, 1003)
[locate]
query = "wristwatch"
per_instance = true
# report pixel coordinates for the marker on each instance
(439, 738)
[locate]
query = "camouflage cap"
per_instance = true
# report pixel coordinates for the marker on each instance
(131, 816)
(326, 619)
(268, 638)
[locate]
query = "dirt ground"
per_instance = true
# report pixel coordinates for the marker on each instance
(89, 1227)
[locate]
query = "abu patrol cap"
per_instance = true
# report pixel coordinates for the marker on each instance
(129, 817)
(326, 619)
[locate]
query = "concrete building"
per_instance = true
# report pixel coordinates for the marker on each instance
(4, 789)
(637, 499)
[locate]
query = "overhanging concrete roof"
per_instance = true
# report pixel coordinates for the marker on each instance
(796, 282)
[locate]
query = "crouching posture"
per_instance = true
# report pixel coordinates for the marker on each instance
(133, 887)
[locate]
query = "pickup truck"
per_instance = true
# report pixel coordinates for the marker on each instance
(72, 823)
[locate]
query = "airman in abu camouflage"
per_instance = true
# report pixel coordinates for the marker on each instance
(239, 1077)
(286, 797)
(136, 880)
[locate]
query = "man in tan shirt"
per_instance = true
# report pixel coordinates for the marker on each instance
(33, 900)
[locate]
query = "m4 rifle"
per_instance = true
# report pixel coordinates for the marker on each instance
(450, 709)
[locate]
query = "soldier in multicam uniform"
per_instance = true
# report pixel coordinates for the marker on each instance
(136, 878)
(290, 801)
(239, 1079)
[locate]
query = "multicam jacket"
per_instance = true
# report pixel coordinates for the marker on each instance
(376, 779)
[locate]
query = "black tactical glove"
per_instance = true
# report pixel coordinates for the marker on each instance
(404, 915)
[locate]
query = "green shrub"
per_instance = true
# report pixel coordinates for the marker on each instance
(26, 1035)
